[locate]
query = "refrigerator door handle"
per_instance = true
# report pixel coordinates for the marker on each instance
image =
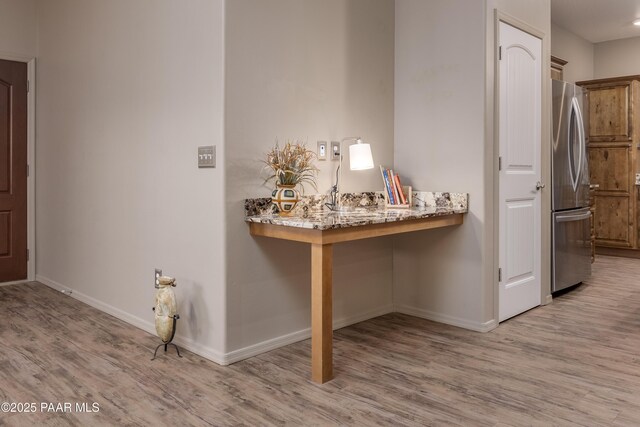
(573, 217)
(576, 115)
(583, 139)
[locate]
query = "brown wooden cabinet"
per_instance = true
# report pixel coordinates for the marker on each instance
(557, 67)
(611, 167)
(613, 134)
(592, 220)
(609, 113)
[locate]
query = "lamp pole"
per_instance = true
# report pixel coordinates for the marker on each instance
(334, 204)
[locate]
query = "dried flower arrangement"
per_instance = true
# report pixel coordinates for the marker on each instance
(292, 164)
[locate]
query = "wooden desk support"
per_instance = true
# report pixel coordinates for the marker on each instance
(322, 273)
(321, 312)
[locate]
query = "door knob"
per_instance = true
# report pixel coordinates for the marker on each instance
(539, 186)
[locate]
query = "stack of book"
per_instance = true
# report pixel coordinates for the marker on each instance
(396, 194)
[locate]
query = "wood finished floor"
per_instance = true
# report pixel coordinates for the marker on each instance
(573, 362)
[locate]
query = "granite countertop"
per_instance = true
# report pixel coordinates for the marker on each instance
(358, 209)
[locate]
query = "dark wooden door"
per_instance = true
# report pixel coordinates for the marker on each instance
(13, 171)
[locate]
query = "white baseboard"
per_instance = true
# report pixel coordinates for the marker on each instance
(187, 343)
(264, 346)
(271, 344)
(445, 318)
(204, 351)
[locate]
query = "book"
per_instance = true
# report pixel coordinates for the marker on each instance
(387, 183)
(403, 198)
(384, 182)
(392, 196)
(396, 196)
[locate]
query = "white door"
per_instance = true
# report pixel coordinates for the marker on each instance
(520, 149)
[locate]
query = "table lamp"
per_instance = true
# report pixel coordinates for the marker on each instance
(360, 158)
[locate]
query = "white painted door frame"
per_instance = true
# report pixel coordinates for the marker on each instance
(493, 134)
(31, 159)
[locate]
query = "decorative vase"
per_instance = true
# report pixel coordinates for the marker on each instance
(165, 309)
(285, 197)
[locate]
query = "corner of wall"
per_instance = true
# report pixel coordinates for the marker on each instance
(189, 344)
(447, 319)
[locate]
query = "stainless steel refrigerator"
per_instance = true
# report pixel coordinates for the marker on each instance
(571, 230)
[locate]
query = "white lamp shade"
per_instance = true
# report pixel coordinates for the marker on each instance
(360, 157)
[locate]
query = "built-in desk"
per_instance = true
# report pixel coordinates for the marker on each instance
(366, 217)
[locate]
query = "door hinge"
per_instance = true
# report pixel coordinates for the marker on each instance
(28, 169)
(27, 254)
(500, 163)
(499, 53)
(28, 86)
(499, 275)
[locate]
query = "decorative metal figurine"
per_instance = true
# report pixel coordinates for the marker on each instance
(165, 313)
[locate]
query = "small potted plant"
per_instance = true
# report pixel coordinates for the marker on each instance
(290, 165)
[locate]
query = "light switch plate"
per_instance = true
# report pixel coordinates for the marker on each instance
(335, 150)
(207, 156)
(322, 150)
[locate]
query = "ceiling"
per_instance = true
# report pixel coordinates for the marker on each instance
(597, 20)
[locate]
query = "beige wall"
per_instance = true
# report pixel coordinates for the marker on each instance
(127, 91)
(309, 70)
(617, 58)
(444, 142)
(439, 146)
(578, 52)
(18, 27)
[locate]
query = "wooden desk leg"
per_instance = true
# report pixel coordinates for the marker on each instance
(321, 313)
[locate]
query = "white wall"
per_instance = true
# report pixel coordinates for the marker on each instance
(309, 70)
(578, 52)
(444, 142)
(439, 146)
(127, 91)
(617, 58)
(18, 27)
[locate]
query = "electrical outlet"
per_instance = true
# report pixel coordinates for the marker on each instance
(335, 150)
(157, 276)
(207, 156)
(322, 150)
